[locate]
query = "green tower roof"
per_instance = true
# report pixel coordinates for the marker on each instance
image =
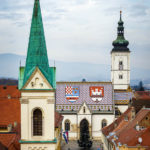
(37, 51)
(120, 44)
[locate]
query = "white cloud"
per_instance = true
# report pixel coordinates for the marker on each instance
(78, 30)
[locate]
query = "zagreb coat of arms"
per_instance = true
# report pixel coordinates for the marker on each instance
(97, 93)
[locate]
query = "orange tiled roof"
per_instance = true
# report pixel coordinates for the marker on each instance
(125, 130)
(9, 92)
(142, 95)
(145, 135)
(2, 147)
(118, 123)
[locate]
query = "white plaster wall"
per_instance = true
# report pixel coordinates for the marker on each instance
(120, 56)
(45, 94)
(115, 72)
(37, 100)
(96, 124)
(73, 120)
(94, 120)
(122, 108)
(38, 146)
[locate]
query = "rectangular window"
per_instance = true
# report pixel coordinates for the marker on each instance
(120, 76)
(120, 65)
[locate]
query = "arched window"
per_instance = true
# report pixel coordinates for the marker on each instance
(37, 122)
(104, 123)
(67, 125)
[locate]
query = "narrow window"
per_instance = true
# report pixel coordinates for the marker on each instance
(120, 76)
(84, 111)
(120, 65)
(37, 122)
(104, 123)
(67, 125)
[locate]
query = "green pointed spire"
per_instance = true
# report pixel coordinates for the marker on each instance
(37, 51)
(120, 44)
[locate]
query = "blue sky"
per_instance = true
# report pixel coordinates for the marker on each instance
(78, 30)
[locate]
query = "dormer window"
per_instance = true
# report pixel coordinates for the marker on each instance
(120, 65)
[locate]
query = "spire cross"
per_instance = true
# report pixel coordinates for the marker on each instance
(120, 15)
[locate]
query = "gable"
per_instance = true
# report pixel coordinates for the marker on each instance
(37, 81)
(84, 110)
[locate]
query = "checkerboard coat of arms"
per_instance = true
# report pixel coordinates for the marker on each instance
(97, 93)
(72, 93)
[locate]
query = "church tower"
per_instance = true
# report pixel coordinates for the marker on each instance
(37, 84)
(120, 59)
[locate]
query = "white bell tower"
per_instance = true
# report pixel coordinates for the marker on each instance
(37, 84)
(120, 60)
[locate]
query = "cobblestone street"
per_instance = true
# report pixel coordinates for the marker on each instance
(73, 145)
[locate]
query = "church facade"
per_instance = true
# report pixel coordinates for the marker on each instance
(97, 102)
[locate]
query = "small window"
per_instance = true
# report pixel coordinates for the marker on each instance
(120, 65)
(120, 76)
(67, 125)
(84, 111)
(104, 123)
(146, 118)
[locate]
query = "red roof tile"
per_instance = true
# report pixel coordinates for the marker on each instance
(9, 92)
(125, 130)
(144, 95)
(118, 123)
(9, 111)
(145, 135)
(2, 147)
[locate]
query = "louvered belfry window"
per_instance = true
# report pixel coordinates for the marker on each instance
(37, 122)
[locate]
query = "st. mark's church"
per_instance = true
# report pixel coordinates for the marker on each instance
(41, 108)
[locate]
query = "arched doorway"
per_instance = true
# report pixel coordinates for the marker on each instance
(84, 140)
(84, 127)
